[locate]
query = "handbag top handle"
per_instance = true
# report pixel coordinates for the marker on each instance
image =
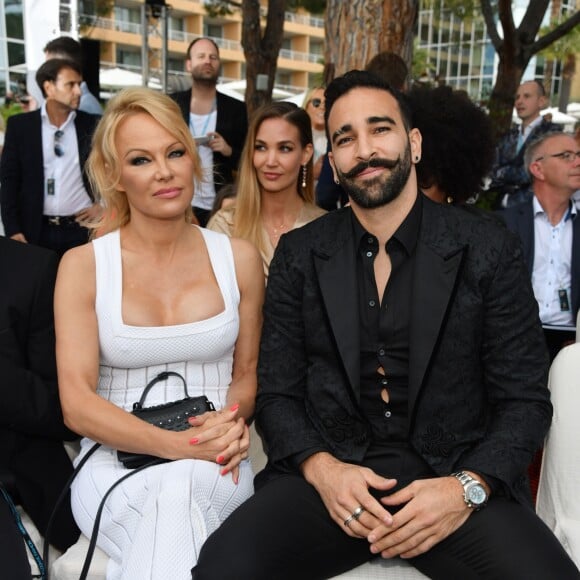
(160, 377)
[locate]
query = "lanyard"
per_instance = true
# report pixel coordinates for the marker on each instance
(205, 125)
(24, 533)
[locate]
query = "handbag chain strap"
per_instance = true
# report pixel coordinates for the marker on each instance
(160, 377)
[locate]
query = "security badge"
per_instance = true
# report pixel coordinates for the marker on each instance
(50, 186)
(563, 296)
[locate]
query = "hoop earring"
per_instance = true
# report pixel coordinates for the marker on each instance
(304, 175)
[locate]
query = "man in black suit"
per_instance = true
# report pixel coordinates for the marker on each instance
(45, 195)
(218, 123)
(549, 228)
(402, 380)
(34, 465)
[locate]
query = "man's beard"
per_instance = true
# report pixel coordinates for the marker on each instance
(205, 78)
(386, 191)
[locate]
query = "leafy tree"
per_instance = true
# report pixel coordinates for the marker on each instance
(261, 41)
(515, 49)
(563, 50)
(261, 48)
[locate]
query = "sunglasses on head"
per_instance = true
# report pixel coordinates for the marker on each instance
(58, 150)
(316, 103)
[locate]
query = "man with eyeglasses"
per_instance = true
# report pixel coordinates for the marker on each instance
(45, 195)
(218, 123)
(549, 228)
(509, 177)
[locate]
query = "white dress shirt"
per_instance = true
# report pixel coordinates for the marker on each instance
(64, 189)
(552, 274)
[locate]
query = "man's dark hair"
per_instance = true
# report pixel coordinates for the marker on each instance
(196, 40)
(458, 147)
(356, 79)
(65, 47)
(50, 70)
(390, 67)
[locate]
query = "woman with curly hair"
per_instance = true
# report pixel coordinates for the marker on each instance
(458, 146)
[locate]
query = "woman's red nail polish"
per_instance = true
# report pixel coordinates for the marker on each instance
(223, 471)
(235, 407)
(193, 441)
(220, 459)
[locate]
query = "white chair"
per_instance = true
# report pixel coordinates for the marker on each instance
(69, 565)
(559, 482)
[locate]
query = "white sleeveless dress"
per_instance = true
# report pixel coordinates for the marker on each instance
(154, 524)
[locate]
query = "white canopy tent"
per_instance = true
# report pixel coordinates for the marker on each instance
(558, 117)
(118, 78)
(237, 90)
(574, 110)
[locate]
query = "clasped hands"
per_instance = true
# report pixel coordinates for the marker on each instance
(220, 436)
(432, 510)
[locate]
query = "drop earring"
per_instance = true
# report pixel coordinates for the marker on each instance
(304, 174)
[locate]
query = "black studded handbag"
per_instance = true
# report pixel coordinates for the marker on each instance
(171, 416)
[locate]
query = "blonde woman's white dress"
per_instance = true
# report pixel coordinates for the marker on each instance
(154, 524)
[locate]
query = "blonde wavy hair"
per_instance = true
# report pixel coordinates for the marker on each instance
(248, 214)
(104, 164)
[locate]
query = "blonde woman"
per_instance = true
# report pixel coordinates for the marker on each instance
(275, 186)
(155, 293)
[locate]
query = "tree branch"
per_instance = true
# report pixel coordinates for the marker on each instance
(532, 20)
(557, 33)
(492, 32)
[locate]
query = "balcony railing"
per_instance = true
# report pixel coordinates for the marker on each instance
(181, 36)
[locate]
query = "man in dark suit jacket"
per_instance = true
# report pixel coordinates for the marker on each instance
(401, 340)
(509, 177)
(551, 219)
(218, 123)
(34, 465)
(44, 190)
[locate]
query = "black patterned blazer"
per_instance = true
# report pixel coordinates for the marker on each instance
(478, 362)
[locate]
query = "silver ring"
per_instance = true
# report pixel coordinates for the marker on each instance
(354, 516)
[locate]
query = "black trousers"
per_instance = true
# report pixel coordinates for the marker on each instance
(63, 237)
(556, 340)
(13, 556)
(284, 532)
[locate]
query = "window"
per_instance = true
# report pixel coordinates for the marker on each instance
(131, 58)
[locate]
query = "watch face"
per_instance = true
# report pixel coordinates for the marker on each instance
(476, 495)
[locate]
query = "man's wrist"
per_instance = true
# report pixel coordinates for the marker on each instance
(313, 464)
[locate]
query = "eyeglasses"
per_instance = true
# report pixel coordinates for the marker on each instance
(566, 156)
(58, 150)
(316, 103)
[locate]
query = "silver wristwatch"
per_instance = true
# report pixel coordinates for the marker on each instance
(474, 493)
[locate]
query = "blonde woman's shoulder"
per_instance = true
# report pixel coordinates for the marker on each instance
(247, 259)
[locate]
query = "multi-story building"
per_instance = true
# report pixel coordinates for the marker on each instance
(460, 53)
(121, 36)
(458, 50)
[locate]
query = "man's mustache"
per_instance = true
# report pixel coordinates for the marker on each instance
(359, 167)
